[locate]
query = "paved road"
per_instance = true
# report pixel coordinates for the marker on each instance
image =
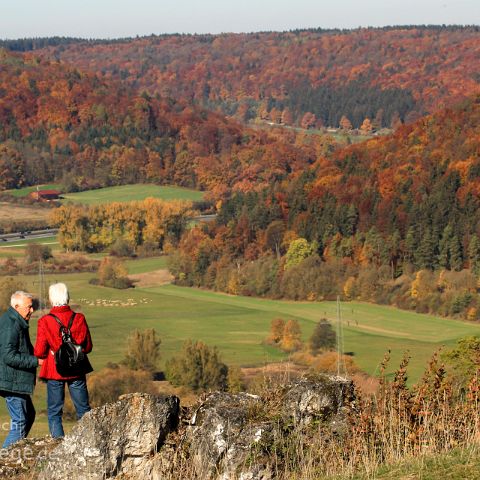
(29, 235)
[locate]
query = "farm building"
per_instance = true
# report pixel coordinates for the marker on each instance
(45, 195)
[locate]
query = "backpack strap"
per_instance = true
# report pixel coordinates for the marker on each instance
(63, 328)
(70, 322)
(57, 320)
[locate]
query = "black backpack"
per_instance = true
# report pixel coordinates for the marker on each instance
(69, 358)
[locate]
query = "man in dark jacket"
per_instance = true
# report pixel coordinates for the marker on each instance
(17, 366)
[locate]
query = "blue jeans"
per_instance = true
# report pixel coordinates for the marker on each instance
(22, 416)
(56, 398)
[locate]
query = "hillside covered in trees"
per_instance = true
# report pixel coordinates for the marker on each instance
(305, 77)
(393, 220)
(57, 122)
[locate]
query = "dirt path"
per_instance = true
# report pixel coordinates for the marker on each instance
(152, 279)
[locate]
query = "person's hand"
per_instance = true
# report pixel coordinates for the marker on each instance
(40, 362)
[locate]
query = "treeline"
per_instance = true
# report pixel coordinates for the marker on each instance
(150, 225)
(35, 43)
(285, 75)
(59, 124)
(392, 220)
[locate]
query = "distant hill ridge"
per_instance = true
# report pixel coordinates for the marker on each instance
(387, 74)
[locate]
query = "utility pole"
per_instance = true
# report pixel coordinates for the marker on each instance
(341, 368)
(42, 289)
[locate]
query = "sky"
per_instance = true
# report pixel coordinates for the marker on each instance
(129, 18)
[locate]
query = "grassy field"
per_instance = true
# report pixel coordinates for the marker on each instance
(128, 193)
(17, 248)
(238, 325)
(22, 213)
(144, 265)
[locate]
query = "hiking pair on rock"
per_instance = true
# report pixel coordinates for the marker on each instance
(19, 361)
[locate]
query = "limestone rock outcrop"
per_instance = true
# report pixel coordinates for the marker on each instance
(113, 439)
(224, 437)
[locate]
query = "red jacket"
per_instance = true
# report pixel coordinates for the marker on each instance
(49, 339)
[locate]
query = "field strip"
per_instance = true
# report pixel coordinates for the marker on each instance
(152, 279)
(296, 309)
(23, 244)
(358, 318)
(394, 333)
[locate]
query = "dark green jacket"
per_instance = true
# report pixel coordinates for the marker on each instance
(17, 363)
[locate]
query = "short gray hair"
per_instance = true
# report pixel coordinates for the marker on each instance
(16, 296)
(58, 294)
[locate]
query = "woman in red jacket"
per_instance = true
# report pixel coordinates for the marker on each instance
(48, 342)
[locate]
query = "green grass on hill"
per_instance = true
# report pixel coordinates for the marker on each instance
(238, 325)
(143, 265)
(128, 193)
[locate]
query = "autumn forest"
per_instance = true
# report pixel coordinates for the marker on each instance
(337, 162)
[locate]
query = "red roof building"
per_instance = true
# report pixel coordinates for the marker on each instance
(45, 195)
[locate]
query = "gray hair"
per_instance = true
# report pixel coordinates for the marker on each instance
(16, 296)
(58, 294)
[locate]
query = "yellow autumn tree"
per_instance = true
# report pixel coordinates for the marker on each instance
(291, 339)
(112, 273)
(277, 326)
(366, 127)
(422, 285)
(349, 288)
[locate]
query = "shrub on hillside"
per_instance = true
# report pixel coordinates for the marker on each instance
(326, 362)
(277, 326)
(10, 266)
(143, 350)
(36, 252)
(112, 273)
(286, 335)
(148, 249)
(463, 360)
(121, 248)
(235, 380)
(197, 367)
(61, 263)
(292, 337)
(109, 383)
(323, 337)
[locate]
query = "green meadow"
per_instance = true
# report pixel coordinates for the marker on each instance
(129, 193)
(144, 265)
(239, 325)
(122, 193)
